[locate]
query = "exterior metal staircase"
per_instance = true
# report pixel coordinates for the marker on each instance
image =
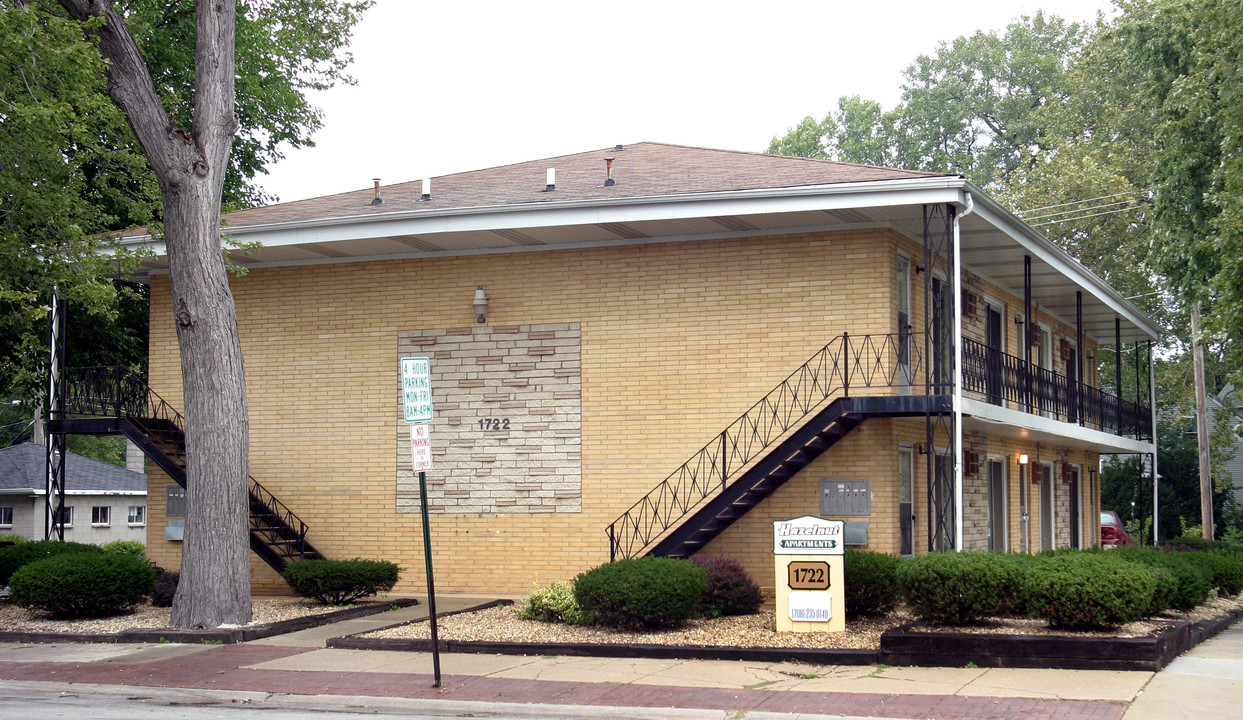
(780, 435)
(114, 400)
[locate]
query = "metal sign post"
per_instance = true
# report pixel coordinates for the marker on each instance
(416, 393)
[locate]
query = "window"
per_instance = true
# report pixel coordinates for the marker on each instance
(101, 515)
(176, 499)
(6, 516)
(137, 515)
(63, 517)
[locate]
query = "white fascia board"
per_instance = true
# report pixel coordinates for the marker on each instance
(591, 212)
(1037, 427)
(1061, 261)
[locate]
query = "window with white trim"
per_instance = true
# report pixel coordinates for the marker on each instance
(63, 517)
(101, 515)
(137, 515)
(6, 517)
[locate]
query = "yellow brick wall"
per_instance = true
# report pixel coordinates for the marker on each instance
(678, 340)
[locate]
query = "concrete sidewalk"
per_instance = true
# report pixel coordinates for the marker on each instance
(1206, 682)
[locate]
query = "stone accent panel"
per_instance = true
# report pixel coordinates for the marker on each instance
(507, 425)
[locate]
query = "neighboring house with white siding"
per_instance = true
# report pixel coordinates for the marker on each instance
(102, 502)
(1228, 401)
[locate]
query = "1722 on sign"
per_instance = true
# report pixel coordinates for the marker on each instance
(809, 575)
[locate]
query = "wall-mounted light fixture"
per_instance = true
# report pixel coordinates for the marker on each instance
(480, 305)
(1023, 459)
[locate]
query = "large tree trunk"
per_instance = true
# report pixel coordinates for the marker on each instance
(190, 165)
(215, 570)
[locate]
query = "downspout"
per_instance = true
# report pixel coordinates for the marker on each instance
(1152, 399)
(956, 395)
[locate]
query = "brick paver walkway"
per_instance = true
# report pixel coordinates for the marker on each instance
(222, 668)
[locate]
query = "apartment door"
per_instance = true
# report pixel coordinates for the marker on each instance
(941, 341)
(1045, 384)
(905, 377)
(1046, 506)
(997, 515)
(1076, 515)
(996, 341)
(906, 501)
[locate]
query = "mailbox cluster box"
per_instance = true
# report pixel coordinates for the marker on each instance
(845, 497)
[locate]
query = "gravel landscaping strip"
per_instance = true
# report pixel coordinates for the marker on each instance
(503, 625)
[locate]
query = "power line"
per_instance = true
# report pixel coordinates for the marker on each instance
(1084, 217)
(1081, 210)
(1079, 202)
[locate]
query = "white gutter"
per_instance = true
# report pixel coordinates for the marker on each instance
(956, 393)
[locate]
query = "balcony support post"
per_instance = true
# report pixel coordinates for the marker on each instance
(1027, 332)
(1118, 372)
(1077, 390)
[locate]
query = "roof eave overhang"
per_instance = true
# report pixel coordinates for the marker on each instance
(595, 211)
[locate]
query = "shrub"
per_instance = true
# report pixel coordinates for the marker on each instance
(1164, 591)
(1194, 581)
(554, 603)
(15, 556)
(646, 592)
(165, 587)
(1226, 569)
(730, 590)
(83, 584)
(1079, 591)
(337, 582)
(12, 539)
(956, 588)
(871, 582)
(132, 548)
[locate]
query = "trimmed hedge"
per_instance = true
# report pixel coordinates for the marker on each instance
(646, 592)
(730, 590)
(1226, 569)
(871, 582)
(1194, 581)
(15, 556)
(1080, 591)
(83, 585)
(338, 582)
(554, 603)
(957, 588)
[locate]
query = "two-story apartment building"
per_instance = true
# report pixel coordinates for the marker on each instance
(656, 348)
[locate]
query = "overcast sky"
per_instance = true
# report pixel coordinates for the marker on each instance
(445, 87)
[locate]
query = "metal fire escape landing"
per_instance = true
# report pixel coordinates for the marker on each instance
(114, 400)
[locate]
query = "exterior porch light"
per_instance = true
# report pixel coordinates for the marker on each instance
(1023, 459)
(480, 305)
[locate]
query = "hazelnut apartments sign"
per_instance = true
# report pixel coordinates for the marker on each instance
(811, 596)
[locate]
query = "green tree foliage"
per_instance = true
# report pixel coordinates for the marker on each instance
(969, 108)
(73, 174)
(69, 172)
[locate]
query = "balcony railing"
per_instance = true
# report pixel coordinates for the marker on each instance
(1010, 381)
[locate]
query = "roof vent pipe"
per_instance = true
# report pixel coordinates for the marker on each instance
(608, 166)
(551, 180)
(427, 189)
(376, 199)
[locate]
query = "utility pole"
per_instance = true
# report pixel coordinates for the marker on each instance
(1202, 438)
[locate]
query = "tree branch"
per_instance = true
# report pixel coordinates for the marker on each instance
(166, 145)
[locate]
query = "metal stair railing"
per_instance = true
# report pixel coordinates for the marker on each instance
(845, 364)
(119, 392)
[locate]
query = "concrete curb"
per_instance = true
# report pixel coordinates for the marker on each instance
(227, 636)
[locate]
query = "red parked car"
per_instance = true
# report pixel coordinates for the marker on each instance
(1113, 535)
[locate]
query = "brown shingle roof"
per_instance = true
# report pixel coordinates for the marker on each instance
(641, 170)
